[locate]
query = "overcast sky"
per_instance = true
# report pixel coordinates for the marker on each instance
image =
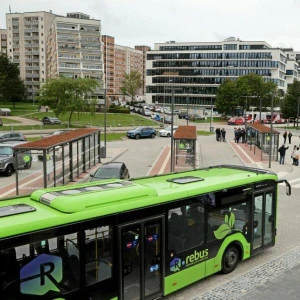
(145, 22)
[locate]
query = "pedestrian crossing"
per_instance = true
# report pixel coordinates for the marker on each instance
(295, 183)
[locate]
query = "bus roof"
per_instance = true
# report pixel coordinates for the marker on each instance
(57, 206)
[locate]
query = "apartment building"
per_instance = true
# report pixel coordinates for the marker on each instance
(109, 64)
(3, 41)
(120, 60)
(194, 71)
(74, 50)
(144, 49)
(26, 46)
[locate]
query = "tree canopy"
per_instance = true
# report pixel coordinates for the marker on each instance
(12, 88)
(232, 94)
(67, 95)
(289, 105)
(131, 84)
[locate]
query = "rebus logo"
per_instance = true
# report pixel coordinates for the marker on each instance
(175, 264)
(41, 275)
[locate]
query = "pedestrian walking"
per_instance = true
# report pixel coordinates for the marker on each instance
(218, 134)
(243, 134)
(297, 157)
(290, 137)
(293, 155)
(282, 151)
(284, 137)
(223, 135)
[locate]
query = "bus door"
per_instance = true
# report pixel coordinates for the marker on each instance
(141, 249)
(263, 231)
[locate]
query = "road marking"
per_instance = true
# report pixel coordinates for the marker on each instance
(282, 174)
(162, 169)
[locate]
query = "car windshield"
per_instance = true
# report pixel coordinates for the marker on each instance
(4, 150)
(168, 128)
(107, 173)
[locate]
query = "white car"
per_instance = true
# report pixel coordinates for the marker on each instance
(167, 131)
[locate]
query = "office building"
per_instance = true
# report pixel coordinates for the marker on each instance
(3, 41)
(194, 71)
(74, 50)
(26, 46)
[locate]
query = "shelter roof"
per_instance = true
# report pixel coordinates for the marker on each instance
(186, 133)
(57, 140)
(262, 128)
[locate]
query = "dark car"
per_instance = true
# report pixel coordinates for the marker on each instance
(182, 115)
(141, 132)
(111, 170)
(51, 120)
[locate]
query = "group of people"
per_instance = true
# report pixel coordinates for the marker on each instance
(239, 134)
(220, 135)
(285, 135)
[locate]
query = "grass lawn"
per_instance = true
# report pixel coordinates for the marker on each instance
(214, 119)
(202, 132)
(21, 108)
(9, 121)
(109, 137)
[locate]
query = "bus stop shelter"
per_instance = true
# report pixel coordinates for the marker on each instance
(184, 145)
(258, 138)
(58, 159)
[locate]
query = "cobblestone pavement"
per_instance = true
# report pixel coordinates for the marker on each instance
(269, 281)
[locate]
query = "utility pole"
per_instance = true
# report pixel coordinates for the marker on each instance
(172, 133)
(271, 131)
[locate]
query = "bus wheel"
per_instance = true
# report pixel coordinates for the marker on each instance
(230, 259)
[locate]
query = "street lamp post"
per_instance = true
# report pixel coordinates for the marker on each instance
(172, 127)
(271, 131)
(187, 111)
(298, 113)
(105, 123)
(211, 116)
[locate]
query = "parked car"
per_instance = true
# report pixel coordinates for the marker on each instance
(8, 158)
(167, 120)
(1, 122)
(167, 131)
(58, 153)
(111, 170)
(176, 111)
(12, 136)
(182, 115)
(195, 117)
(51, 120)
(236, 121)
(141, 132)
(147, 113)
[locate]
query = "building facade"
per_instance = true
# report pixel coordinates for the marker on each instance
(120, 60)
(3, 42)
(144, 49)
(26, 46)
(194, 71)
(74, 50)
(293, 65)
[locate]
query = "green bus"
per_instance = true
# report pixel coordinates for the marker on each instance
(139, 239)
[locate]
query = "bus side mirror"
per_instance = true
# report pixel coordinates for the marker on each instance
(287, 184)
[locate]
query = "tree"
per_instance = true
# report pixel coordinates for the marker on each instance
(12, 88)
(289, 105)
(254, 85)
(67, 95)
(226, 98)
(131, 84)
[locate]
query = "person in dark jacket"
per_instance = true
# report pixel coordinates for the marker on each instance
(284, 137)
(218, 134)
(282, 151)
(290, 137)
(223, 134)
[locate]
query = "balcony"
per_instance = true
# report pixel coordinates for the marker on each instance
(31, 30)
(15, 30)
(35, 22)
(31, 68)
(36, 83)
(32, 60)
(31, 75)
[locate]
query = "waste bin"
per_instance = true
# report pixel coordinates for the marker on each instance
(211, 129)
(103, 152)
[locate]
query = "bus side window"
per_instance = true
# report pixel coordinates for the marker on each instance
(98, 254)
